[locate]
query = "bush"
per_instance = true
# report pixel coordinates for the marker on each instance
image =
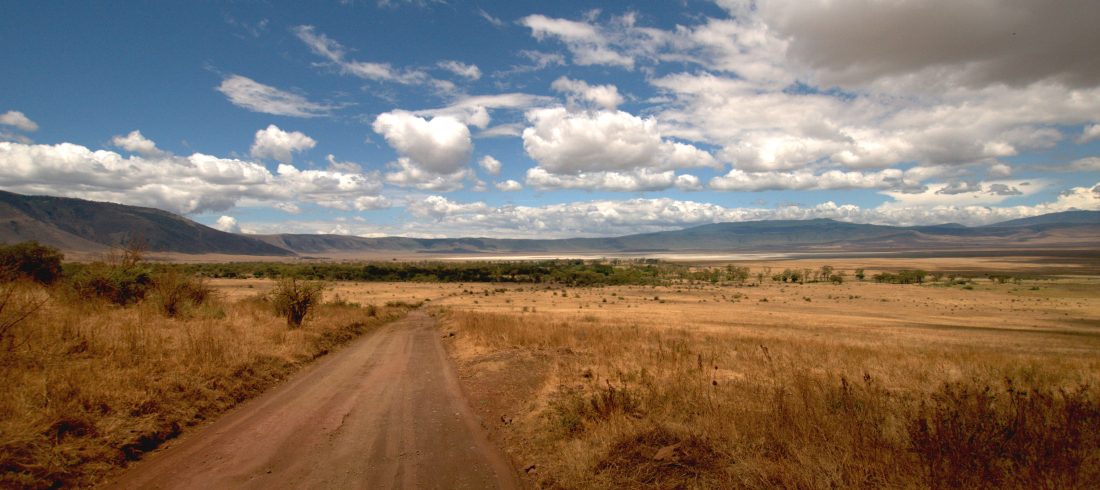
(294, 299)
(173, 293)
(31, 260)
(120, 285)
(902, 277)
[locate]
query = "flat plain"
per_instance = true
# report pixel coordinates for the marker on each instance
(791, 373)
(766, 383)
(814, 385)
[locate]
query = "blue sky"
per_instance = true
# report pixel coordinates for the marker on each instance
(539, 119)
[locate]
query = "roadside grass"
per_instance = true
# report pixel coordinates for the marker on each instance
(629, 406)
(89, 386)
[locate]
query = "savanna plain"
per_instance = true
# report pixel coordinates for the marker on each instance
(813, 373)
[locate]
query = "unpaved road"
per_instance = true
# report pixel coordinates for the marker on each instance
(383, 412)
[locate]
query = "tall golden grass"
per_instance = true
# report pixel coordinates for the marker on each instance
(88, 386)
(623, 406)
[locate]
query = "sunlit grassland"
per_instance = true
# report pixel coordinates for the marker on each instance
(795, 386)
(88, 386)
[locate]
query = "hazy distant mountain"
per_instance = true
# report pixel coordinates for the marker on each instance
(79, 225)
(1062, 218)
(817, 235)
(89, 226)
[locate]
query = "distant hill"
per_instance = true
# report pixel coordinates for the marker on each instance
(88, 226)
(816, 235)
(1062, 218)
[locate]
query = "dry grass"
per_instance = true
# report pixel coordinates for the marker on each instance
(88, 387)
(861, 385)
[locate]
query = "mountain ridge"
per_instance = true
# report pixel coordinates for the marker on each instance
(91, 226)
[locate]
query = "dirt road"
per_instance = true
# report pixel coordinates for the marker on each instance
(384, 412)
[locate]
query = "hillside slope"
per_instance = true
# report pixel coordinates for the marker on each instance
(80, 225)
(88, 226)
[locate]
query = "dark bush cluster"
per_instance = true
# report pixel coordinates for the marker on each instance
(570, 272)
(116, 284)
(901, 277)
(32, 261)
(123, 279)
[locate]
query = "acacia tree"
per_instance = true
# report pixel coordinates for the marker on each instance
(295, 299)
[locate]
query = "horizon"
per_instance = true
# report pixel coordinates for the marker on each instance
(477, 237)
(578, 119)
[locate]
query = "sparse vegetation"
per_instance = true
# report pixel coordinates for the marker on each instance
(901, 277)
(693, 376)
(96, 373)
(175, 294)
(294, 299)
(694, 394)
(762, 411)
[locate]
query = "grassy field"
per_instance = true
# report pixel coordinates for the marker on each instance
(979, 384)
(983, 375)
(89, 386)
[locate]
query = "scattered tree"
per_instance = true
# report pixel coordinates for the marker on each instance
(294, 299)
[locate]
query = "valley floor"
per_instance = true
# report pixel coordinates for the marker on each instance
(788, 385)
(986, 379)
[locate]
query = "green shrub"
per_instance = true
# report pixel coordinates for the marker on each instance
(31, 260)
(294, 299)
(902, 277)
(120, 285)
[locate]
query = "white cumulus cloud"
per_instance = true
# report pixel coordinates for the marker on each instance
(280, 145)
(509, 186)
(406, 173)
(489, 164)
(439, 145)
(564, 142)
(135, 142)
(606, 96)
(228, 224)
(183, 184)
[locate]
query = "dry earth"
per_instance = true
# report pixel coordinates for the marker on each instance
(384, 412)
